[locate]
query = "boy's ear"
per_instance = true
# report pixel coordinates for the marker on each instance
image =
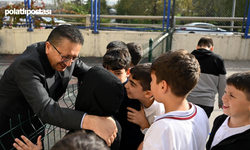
(128, 72)
(212, 48)
(148, 94)
(164, 86)
(198, 47)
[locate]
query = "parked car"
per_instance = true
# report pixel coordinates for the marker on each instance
(20, 22)
(46, 22)
(194, 28)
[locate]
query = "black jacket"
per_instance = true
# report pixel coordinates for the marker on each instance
(212, 79)
(131, 133)
(235, 142)
(27, 88)
(101, 94)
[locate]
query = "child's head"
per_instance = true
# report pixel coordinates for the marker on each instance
(139, 82)
(236, 100)
(136, 53)
(116, 44)
(80, 140)
(206, 43)
(117, 61)
(97, 84)
(178, 69)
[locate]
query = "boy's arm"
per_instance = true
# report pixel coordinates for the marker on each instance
(28, 145)
(140, 146)
(221, 89)
(138, 117)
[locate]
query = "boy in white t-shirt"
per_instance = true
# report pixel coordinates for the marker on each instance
(232, 129)
(184, 125)
(138, 87)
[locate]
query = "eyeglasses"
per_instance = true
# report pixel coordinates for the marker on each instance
(65, 58)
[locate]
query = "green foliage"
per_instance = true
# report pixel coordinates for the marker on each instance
(140, 7)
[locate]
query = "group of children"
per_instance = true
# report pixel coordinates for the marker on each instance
(148, 102)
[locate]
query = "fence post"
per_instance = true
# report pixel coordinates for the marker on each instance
(30, 27)
(168, 15)
(88, 22)
(150, 50)
(248, 23)
(95, 18)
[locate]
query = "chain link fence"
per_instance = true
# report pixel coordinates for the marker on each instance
(157, 8)
(211, 8)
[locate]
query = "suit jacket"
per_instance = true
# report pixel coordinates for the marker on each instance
(237, 141)
(28, 85)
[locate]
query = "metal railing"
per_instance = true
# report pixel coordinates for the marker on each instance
(162, 43)
(87, 18)
(51, 133)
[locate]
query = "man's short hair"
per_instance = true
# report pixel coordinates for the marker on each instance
(241, 81)
(69, 32)
(136, 53)
(80, 140)
(141, 73)
(116, 59)
(206, 42)
(179, 69)
(116, 44)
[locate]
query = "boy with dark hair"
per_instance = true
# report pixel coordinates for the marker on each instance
(79, 140)
(117, 61)
(136, 53)
(138, 87)
(183, 126)
(116, 44)
(232, 129)
(212, 79)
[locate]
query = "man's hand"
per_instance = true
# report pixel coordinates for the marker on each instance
(28, 145)
(138, 117)
(104, 127)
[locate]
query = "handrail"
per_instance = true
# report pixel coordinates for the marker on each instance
(151, 17)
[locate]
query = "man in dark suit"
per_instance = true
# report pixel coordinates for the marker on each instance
(35, 81)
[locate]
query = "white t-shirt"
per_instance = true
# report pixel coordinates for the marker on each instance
(154, 110)
(225, 131)
(178, 130)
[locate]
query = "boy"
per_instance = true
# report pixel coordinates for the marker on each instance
(138, 87)
(184, 125)
(116, 44)
(136, 53)
(101, 94)
(232, 129)
(117, 61)
(212, 79)
(75, 141)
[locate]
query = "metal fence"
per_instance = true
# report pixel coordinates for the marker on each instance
(52, 133)
(212, 8)
(150, 15)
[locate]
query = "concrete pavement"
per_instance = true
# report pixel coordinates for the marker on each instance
(231, 67)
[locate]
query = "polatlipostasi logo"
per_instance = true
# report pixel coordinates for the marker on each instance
(27, 12)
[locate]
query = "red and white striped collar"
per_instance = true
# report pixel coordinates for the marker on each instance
(179, 115)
